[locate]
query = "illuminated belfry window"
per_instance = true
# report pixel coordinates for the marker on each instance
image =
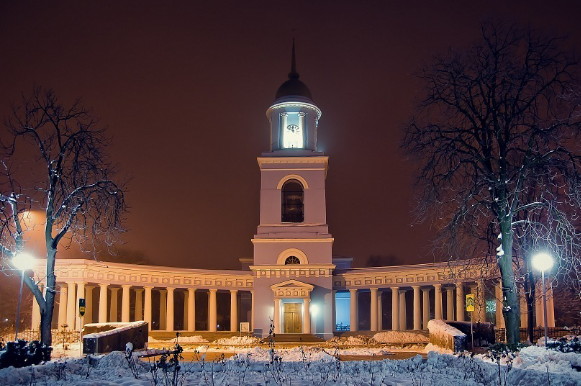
(292, 202)
(292, 260)
(293, 130)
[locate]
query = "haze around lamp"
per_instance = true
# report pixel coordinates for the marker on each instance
(23, 261)
(542, 261)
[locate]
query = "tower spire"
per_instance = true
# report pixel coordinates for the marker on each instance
(293, 73)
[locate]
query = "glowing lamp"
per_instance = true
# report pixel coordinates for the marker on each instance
(23, 261)
(542, 261)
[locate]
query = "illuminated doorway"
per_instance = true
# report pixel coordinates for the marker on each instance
(292, 317)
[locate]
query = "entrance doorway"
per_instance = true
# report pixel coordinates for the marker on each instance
(293, 318)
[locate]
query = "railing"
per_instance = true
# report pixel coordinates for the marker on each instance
(62, 335)
(538, 333)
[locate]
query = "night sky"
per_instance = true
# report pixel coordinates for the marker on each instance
(183, 87)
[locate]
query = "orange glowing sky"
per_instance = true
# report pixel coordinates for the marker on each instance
(183, 87)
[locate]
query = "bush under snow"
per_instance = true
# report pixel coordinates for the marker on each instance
(308, 366)
(400, 337)
(238, 341)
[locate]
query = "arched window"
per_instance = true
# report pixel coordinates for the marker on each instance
(292, 260)
(292, 202)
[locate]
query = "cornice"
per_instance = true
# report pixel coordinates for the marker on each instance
(322, 240)
(293, 160)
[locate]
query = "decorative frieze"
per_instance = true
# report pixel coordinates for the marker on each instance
(424, 274)
(143, 275)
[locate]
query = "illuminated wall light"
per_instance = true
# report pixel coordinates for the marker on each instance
(314, 309)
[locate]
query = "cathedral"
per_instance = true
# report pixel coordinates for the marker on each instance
(293, 285)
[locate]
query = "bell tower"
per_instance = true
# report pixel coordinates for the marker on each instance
(293, 116)
(292, 245)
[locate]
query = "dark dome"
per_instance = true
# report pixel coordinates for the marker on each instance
(293, 87)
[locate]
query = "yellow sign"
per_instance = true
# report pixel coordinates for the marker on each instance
(470, 302)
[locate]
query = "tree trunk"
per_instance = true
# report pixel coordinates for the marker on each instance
(512, 311)
(47, 311)
(530, 297)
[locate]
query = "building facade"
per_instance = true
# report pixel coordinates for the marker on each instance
(293, 285)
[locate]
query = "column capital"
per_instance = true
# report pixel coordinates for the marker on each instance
(416, 286)
(372, 289)
(148, 287)
(438, 285)
(138, 289)
(213, 289)
(352, 290)
(126, 286)
(233, 290)
(425, 289)
(170, 289)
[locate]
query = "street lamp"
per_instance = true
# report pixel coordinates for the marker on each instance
(542, 261)
(22, 261)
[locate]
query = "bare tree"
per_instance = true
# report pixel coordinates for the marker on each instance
(54, 162)
(497, 140)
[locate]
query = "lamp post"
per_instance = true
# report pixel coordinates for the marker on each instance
(22, 261)
(542, 261)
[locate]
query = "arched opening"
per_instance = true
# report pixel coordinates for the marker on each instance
(292, 202)
(292, 260)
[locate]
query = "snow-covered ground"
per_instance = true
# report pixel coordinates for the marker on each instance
(310, 365)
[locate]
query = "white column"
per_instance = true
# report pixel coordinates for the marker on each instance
(71, 309)
(276, 316)
(233, 310)
(481, 302)
(460, 302)
(437, 301)
(425, 307)
(524, 313)
(89, 304)
(186, 311)
(191, 309)
(450, 303)
(169, 325)
(306, 316)
(162, 309)
(498, 295)
(125, 303)
(102, 303)
(417, 308)
(550, 306)
(213, 316)
(334, 310)
(379, 311)
(395, 308)
(353, 317)
(373, 310)
(80, 295)
(252, 311)
(62, 305)
(138, 303)
(402, 310)
(35, 322)
(147, 306)
(113, 304)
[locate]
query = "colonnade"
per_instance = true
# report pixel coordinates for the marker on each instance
(71, 292)
(455, 305)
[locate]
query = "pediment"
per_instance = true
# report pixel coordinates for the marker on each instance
(292, 284)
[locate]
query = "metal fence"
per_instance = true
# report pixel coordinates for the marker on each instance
(538, 333)
(58, 336)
